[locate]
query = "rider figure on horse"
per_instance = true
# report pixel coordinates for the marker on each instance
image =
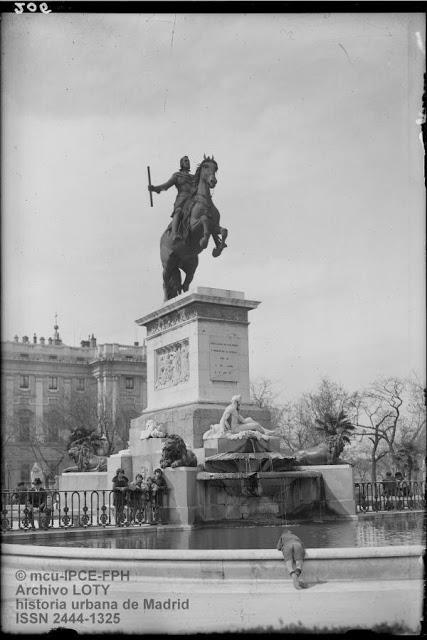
(183, 180)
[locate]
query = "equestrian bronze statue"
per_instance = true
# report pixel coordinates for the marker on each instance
(194, 220)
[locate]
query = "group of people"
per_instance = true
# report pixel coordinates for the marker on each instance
(143, 498)
(395, 486)
(137, 501)
(35, 502)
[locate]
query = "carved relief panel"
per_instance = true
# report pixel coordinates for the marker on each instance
(171, 365)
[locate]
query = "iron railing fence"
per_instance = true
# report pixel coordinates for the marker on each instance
(28, 510)
(383, 496)
(99, 508)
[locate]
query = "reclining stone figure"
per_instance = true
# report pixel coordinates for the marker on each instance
(233, 425)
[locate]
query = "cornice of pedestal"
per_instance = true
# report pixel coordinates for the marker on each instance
(184, 308)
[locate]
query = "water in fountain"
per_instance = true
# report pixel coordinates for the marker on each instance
(253, 482)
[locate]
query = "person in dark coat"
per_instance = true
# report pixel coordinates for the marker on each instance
(36, 500)
(120, 485)
(138, 495)
(20, 494)
(293, 552)
(157, 487)
(402, 485)
(389, 485)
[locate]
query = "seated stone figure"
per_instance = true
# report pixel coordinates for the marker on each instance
(232, 425)
(151, 431)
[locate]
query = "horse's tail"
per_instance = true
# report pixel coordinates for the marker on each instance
(166, 245)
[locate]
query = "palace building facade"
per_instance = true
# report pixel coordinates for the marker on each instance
(49, 388)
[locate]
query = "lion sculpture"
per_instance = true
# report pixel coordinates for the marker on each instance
(176, 454)
(85, 460)
(323, 453)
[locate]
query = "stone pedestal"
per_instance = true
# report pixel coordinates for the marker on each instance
(339, 487)
(147, 455)
(83, 481)
(197, 359)
(182, 496)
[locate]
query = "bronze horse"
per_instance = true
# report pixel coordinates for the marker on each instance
(200, 220)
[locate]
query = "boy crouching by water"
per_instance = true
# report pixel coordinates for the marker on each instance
(293, 552)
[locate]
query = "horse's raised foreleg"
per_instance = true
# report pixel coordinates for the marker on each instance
(206, 232)
(219, 241)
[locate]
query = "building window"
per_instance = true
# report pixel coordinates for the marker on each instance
(80, 384)
(129, 383)
(52, 421)
(129, 357)
(24, 473)
(24, 382)
(24, 428)
(52, 430)
(53, 357)
(24, 355)
(53, 383)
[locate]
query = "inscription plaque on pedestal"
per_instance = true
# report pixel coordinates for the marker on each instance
(223, 358)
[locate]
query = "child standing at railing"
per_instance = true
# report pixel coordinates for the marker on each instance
(402, 485)
(138, 494)
(157, 487)
(120, 484)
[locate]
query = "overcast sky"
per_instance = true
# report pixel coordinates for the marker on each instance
(313, 122)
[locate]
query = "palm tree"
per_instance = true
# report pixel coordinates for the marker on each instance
(337, 430)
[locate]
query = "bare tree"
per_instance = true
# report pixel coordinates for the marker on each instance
(81, 412)
(411, 439)
(298, 430)
(115, 429)
(265, 396)
(378, 416)
(262, 393)
(358, 455)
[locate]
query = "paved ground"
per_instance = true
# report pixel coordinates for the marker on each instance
(215, 605)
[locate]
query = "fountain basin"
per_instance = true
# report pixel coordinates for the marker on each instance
(160, 591)
(366, 563)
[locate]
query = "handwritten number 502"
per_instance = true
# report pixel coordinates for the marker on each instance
(32, 7)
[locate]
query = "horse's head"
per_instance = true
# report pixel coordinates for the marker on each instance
(206, 171)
